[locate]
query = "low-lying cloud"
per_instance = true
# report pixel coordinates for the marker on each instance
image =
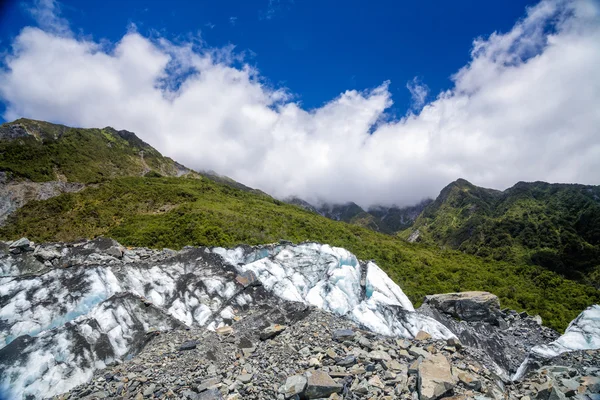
(526, 107)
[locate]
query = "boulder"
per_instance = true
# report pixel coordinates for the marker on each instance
(320, 384)
(20, 245)
(272, 331)
(189, 345)
(434, 377)
(468, 306)
(343, 334)
(294, 385)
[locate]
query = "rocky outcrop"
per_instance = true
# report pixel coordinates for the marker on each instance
(505, 341)
(467, 306)
(14, 195)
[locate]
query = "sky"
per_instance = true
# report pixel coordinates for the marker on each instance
(373, 102)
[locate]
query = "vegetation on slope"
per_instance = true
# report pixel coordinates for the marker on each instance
(556, 226)
(174, 212)
(41, 151)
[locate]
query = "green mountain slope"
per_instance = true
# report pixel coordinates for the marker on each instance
(556, 226)
(174, 212)
(41, 151)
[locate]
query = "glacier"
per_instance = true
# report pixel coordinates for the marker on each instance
(69, 309)
(583, 333)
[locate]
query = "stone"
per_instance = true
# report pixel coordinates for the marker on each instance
(468, 306)
(434, 377)
(294, 385)
(342, 334)
(347, 361)
(224, 330)
(379, 355)
(210, 394)
(320, 384)
(189, 345)
(422, 335)
(245, 378)
(418, 352)
(149, 390)
(592, 383)
(454, 342)
(272, 331)
(20, 245)
(207, 384)
(114, 251)
(414, 367)
(469, 381)
(331, 354)
(248, 278)
(376, 382)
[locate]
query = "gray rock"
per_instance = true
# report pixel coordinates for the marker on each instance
(320, 384)
(189, 345)
(245, 378)
(435, 378)
(343, 334)
(468, 306)
(20, 245)
(347, 361)
(294, 385)
(272, 331)
(207, 384)
(211, 394)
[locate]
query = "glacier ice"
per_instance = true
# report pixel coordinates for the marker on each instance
(583, 333)
(330, 278)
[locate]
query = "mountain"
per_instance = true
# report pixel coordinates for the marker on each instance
(40, 151)
(98, 320)
(383, 219)
(556, 226)
(159, 211)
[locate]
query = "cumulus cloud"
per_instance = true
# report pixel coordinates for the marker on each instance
(524, 108)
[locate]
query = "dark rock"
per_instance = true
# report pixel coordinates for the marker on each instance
(272, 331)
(468, 306)
(189, 345)
(343, 334)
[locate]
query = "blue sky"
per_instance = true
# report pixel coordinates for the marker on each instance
(316, 49)
(371, 102)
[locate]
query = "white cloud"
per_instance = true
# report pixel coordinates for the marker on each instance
(47, 15)
(526, 107)
(418, 92)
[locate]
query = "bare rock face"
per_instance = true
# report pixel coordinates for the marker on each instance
(468, 306)
(435, 377)
(14, 195)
